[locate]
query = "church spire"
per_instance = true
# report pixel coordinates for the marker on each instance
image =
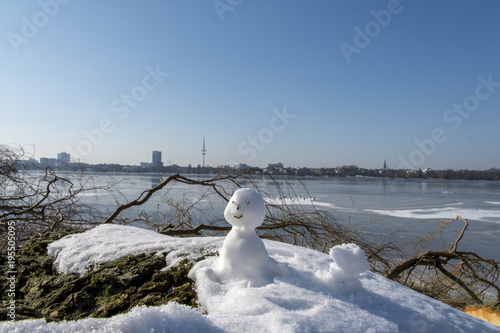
(203, 151)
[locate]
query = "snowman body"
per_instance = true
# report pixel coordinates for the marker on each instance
(243, 256)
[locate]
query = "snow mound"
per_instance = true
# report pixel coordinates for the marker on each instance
(349, 261)
(171, 317)
(299, 301)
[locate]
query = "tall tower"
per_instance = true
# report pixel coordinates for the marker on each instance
(157, 163)
(203, 151)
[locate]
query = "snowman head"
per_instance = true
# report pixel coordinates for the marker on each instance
(245, 209)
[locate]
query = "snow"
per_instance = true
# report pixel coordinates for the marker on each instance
(302, 300)
(443, 213)
(348, 262)
(171, 317)
(78, 252)
(243, 257)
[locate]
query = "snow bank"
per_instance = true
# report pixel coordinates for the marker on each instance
(299, 301)
(171, 317)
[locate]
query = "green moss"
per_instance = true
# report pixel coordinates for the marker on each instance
(106, 290)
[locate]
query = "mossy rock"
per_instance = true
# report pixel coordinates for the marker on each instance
(104, 291)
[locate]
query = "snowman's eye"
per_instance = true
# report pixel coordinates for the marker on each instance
(232, 201)
(248, 202)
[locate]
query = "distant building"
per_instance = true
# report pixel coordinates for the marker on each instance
(30, 162)
(279, 167)
(157, 163)
(242, 167)
(47, 162)
(145, 165)
(63, 158)
(276, 165)
(385, 165)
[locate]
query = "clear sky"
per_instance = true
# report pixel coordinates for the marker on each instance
(305, 83)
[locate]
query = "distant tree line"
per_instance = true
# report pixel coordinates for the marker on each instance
(342, 171)
(354, 171)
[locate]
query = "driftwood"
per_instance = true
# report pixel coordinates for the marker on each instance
(146, 195)
(33, 203)
(467, 270)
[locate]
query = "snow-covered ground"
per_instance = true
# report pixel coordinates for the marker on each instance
(302, 300)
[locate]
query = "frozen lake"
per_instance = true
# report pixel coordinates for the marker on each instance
(397, 204)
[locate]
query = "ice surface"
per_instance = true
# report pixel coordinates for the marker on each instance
(298, 301)
(289, 201)
(443, 213)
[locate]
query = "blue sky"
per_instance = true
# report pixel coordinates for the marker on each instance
(317, 84)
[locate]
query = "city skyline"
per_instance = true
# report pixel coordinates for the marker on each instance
(315, 85)
(157, 164)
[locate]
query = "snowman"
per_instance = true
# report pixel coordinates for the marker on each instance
(349, 261)
(243, 256)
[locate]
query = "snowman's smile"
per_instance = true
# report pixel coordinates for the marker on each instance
(238, 217)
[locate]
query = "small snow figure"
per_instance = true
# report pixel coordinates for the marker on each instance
(349, 261)
(243, 256)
